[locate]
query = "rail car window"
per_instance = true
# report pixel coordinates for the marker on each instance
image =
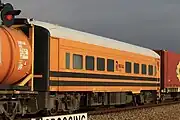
(89, 63)
(110, 65)
(150, 69)
(128, 67)
(136, 68)
(143, 69)
(67, 60)
(77, 61)
(100, 64)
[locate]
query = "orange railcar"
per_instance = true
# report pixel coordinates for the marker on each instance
(85, 62)
(91, 68)
(62, 69)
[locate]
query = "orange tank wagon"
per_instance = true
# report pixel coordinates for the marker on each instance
(15, 56)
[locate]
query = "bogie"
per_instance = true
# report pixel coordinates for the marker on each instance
(72, 102)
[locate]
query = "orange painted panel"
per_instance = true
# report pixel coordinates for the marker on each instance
(75, 47)
(134, 89)
(54, 65)
(63, 46)
(97, 51)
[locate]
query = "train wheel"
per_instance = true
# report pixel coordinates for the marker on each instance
(135, 100)
(73, 103)
(9, 109)
(138, 99)
(55, 109)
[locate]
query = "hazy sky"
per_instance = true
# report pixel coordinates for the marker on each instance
(149, 23)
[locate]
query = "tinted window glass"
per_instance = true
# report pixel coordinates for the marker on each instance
(150, 70)
(89, 63)
(143, 67)
(67, 60)
(128, 67)
(100, 64)
(110, 65)
(136, 68)
(77, 61)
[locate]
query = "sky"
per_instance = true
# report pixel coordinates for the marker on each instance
(154, 24)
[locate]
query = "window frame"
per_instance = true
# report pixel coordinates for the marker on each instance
(67, 64)
(109, 67)
(149, 70)
(81, 61)
(97, 66)
(144, 73)
(136, 72)
(86, 65)
(130, 63)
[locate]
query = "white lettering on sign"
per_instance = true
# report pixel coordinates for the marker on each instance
(21, 43)
(23, 53)
(82, 116)
(20, 66)
(22, 50)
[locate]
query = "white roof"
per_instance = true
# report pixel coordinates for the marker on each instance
(75, 35)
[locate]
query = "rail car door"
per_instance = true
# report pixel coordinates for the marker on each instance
(41, 64)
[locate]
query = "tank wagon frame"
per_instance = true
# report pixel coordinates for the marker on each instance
(17, 98)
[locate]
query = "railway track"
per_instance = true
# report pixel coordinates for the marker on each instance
(115, 110)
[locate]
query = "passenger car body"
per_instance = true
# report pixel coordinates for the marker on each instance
(85, 62)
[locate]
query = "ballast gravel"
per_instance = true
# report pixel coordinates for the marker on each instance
(168, 112)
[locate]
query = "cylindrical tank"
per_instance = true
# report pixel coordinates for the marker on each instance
(15, 55)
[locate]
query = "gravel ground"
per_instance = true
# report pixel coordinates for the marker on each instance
(169, 112)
